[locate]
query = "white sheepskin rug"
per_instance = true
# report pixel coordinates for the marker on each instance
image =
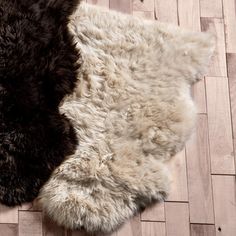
(132, 111)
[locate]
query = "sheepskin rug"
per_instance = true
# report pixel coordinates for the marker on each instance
(38, 67)
(132, 111)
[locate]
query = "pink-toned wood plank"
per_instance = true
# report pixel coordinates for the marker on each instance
(104, 3)
(220, 128)
(8, 215)
(8, 229)
(177, 219)
(199, 96)
(30, 223)
(153, 229)
(224, 188)
(52, 229)
(131, 228)
(202, 230)
(166, 11)
(146, 5)
(229, 7)
(189, 14)
(216, 26)
(145, 14)
(234, 153)
(211, 8)
(231, 60)
(121, 5)
(154, 213)
(199, 174)
(179, 186)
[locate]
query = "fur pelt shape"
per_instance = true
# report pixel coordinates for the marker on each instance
(132, 111)
(38, 67)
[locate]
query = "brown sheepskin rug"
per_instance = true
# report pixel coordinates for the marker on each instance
(38, 68)
(132, 111)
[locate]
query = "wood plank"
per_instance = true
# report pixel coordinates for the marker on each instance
(121, 5)
(211, 8)
(8, 229)
(166, 11)
(104, 3)
(234, 153)
(177, 219)
(154, 213)
(147, 5)
(202, 230)
(224, 188)
(199, 174)
(189, 14)
(218, 64)
(231, 61)
(220, 128)
(30, 223)
(52, 229)
(179, 186)
(131, 228)
(229, 7)
(8, 214)
(153, 229)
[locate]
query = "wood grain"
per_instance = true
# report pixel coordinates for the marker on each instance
(177, 219)
(231, 60)
(8, 215)
(8, 229)
(199, 175)
(230, 24)
(121, 5)
(220, 128)
(153, 229)
(189, 14)
(155, 213)
(166, 11)
(202, 230)
(179, 186)
(30, 223)
(147, 5)
(211, 8)
(224, 188)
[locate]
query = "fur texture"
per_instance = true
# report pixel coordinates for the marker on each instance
(132, 111)
(38, 67)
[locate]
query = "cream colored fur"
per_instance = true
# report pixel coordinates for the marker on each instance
(132, 111)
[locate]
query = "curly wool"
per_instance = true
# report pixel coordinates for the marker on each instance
(132, 110)
(38, 67)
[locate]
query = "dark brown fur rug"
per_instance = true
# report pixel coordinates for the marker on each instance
(38, 67)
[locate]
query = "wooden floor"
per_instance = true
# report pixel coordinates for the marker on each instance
(203, 197)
